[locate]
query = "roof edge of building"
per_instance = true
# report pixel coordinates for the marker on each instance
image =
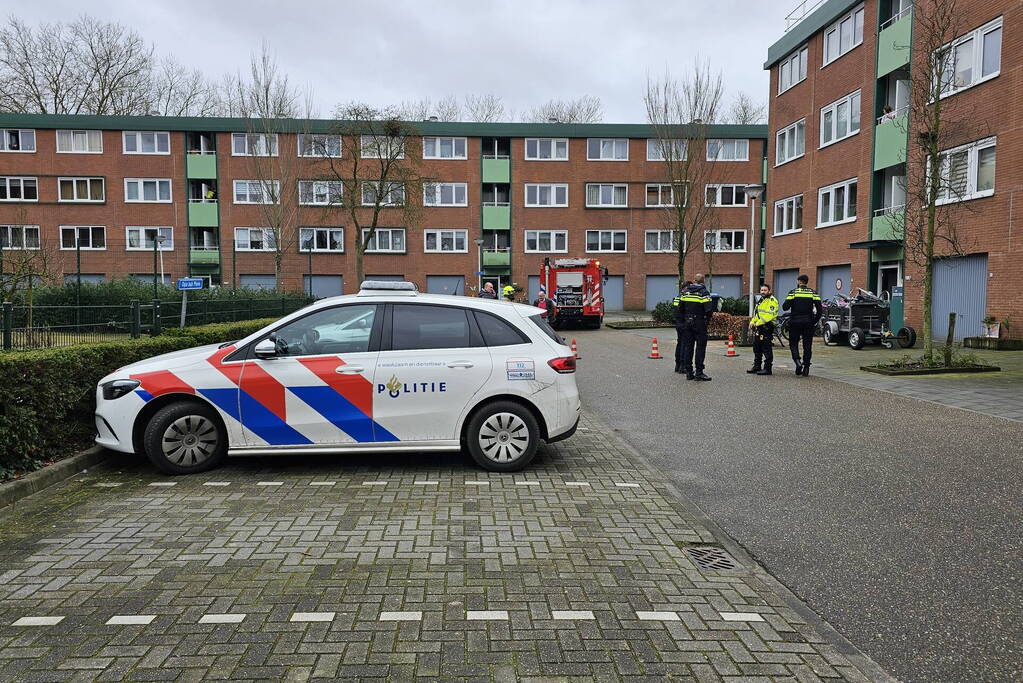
(807, 26)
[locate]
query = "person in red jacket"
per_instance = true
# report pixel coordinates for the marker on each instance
(543, 302)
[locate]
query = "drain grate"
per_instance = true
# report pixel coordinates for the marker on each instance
(710, 557)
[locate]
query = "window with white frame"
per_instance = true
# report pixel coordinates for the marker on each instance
(727, 150)
(788, 215)
(142, 238)
(724, 241)
(967, 172)
(320, 192)
(546, 149)
(444, 148)
(381, 147)
(146, 142)
(93, 237)
(664, 194)
(17, 140)
(660, 241)
(546, 194)
(331, 240)
(662, 149)
(546, 241)
(436, 241)
(254, 239)
(81, 189)
(80, 141)
(19, 189)
(607, 195)
(254, 144)
(791, 143)
(19, 236)
(319, 145)
(606, 240)
(445, 194)
(843, 35)
(792, 69)
(726, 195)
(840, 119)
(971, 59)
(147, 190)
(385, 240)
(386, 193)
(607, 149)
(257, 192)
(836, 203)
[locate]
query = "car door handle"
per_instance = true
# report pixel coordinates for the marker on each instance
(460, 364)
(348, 369)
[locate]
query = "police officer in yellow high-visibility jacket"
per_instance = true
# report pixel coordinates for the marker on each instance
(762, 326)
(805, 309)
(693, 308)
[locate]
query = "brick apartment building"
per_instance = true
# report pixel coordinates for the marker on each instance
(528, 190)
(837, 171)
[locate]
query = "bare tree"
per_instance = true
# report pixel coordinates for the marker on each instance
(486, 108)
(27, 259)
(176, 91)
(746, 110)
(936, 181)
(585, 109)
(680, 112)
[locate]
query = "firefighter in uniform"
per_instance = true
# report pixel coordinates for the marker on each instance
(509, 292)
(762, 326)
(693, 309)
(804, 306)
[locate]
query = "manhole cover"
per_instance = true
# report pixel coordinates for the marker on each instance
(710, 557)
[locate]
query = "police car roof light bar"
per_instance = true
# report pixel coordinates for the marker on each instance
(388, 285)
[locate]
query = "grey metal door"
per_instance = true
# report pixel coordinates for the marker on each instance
(321, 286)
(533, 287)
(960, 285)
(660, 288)
(257, 281)
(785, 281)
(445, 284)
(726, 286)
(833, 280)
(614, 293)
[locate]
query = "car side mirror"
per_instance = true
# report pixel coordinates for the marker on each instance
(266, 348)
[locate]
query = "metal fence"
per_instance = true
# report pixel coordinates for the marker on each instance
(36, 327)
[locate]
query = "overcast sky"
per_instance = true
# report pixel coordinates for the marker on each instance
(526, 51)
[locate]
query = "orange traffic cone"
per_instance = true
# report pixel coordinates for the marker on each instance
(731, 349)
(575, 351)
(655, 353)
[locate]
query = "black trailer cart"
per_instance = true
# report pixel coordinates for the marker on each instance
(863, 319)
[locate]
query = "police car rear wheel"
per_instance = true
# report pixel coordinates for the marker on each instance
(183, 438)
(503, 437)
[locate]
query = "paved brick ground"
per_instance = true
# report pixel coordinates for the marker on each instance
(386, 568)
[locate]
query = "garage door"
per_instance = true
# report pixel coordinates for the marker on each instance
(960, 285)
(445, 284)
(614, 293)
(92, 278)
(533, 287)
(660, 288)
(147, 278)
(785, 281)
(324, 285)
(257, 281)
(726, 286)
(833, 280)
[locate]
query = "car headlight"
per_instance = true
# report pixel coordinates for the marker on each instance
(119, 387)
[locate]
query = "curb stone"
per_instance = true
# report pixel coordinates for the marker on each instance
(34, 482)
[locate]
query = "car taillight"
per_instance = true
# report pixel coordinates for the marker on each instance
(564, 365)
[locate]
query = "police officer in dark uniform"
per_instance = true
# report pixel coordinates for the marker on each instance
(693, 309)
(804, 306)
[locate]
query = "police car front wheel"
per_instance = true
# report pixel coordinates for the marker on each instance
(185, 437)
(503, 437)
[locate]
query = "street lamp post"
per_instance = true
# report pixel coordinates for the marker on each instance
(479, 265)
(754, 192)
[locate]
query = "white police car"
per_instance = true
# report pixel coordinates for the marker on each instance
(387, 369)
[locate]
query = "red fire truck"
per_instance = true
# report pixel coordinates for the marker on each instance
(577, 287)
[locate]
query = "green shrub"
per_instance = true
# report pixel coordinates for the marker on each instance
(664, 312)
(49, 394)
(735, 306)
(122, 292)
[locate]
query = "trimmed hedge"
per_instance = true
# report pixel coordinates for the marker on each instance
(49, 394)
(122, 292)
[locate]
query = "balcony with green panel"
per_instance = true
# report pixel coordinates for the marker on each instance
(890, 138)
(497, 257)
(203, 214)
(893, 43)
(497, 217)
(497, 170)
(203, 258)
(888, 224)
(200, 166)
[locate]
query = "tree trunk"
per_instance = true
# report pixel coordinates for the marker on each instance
(359, 273)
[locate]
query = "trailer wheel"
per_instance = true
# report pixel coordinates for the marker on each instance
(856, 338)
(906, 337)
(829, 336)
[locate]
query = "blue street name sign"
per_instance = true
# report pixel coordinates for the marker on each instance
(189, 283)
